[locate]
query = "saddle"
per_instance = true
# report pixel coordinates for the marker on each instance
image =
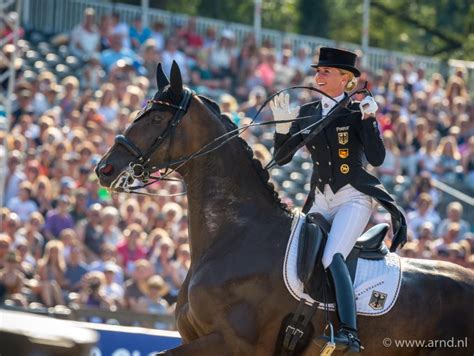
(312, 241)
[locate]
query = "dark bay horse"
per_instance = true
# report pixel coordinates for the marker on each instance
(234, 298)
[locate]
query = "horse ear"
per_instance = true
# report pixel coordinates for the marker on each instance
(176, 80)
(161, 78)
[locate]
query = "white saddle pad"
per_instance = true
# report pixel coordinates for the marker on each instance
(376, 285)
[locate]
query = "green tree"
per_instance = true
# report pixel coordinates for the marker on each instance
(314, 17)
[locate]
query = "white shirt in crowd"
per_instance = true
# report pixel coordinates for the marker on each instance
(89, 41)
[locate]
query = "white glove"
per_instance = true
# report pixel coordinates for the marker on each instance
(368, 106)
(280, 106)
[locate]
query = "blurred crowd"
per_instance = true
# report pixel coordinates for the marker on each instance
(65, 240)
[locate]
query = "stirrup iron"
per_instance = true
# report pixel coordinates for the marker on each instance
(330, 346)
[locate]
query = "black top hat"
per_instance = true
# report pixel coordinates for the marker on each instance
(337, 58)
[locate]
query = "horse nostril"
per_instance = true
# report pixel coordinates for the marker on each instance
(106, 169)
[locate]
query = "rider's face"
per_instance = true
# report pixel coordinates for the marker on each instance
(330, 80)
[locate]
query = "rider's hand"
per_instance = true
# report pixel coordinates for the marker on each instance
(280, 106)
(368, 107)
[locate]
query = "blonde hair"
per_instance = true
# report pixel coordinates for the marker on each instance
(59, 246)
(443, 150)
(352, 81)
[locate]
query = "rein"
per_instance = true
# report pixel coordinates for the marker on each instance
(139, 170)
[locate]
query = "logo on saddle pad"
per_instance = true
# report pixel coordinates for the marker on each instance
(377, 300)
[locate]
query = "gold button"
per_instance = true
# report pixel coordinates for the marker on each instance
(344, 168)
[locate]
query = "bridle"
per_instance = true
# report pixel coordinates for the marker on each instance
(139, 169)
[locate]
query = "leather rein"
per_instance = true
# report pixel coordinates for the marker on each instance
(140, 170)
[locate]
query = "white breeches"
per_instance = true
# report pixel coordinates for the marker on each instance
(348, 211)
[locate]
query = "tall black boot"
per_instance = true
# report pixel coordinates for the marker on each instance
(346, 336)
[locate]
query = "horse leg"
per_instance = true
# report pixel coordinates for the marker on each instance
(212, 344)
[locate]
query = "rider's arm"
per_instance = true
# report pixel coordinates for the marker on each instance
(371, 138)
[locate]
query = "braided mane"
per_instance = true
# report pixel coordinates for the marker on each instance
(262, 173)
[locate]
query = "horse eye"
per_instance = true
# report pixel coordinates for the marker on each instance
(156, 119)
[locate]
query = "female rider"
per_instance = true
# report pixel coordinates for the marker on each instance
(342, 191)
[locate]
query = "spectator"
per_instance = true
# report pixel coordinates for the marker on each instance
(116, 52)
(121, 29)
(153, 301)
(108, 255)
(139, 34)
(404, 139)
(12, 223)
(68, 101)
(14, 176)
(91, 232)
(76, 268)
(390, 168)
(449, 165)
(5, 243)
(108, 106)
(58, 219)
(51, 268)
(424, 213)
(422, 184)
(131, 249)
(468, 163)
(31, 232)
(222, 56)
(266, 70)
(427, 157)
(113, 291)
(79, 208)
(192, 38)
(441, 245)
(162, 261)
(11, 19)
(43, 195)
(255, 100)
(137, 287)
(210, 37)
(92, 292)
(301, 60)
(24, 105)
(454, 212)
(425, 240)
(158, 35)
(22, 204)
(421, 131)
(182, 264)
(85, 37)
(111, 234)
(151, 211)
(11, 278)
(92, 73)
(435, 89)
(172, 53)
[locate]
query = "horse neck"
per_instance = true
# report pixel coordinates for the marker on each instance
(226, 194)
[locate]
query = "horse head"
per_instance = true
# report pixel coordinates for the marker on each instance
(163, 135)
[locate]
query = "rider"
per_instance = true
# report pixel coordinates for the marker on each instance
(342, 191)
